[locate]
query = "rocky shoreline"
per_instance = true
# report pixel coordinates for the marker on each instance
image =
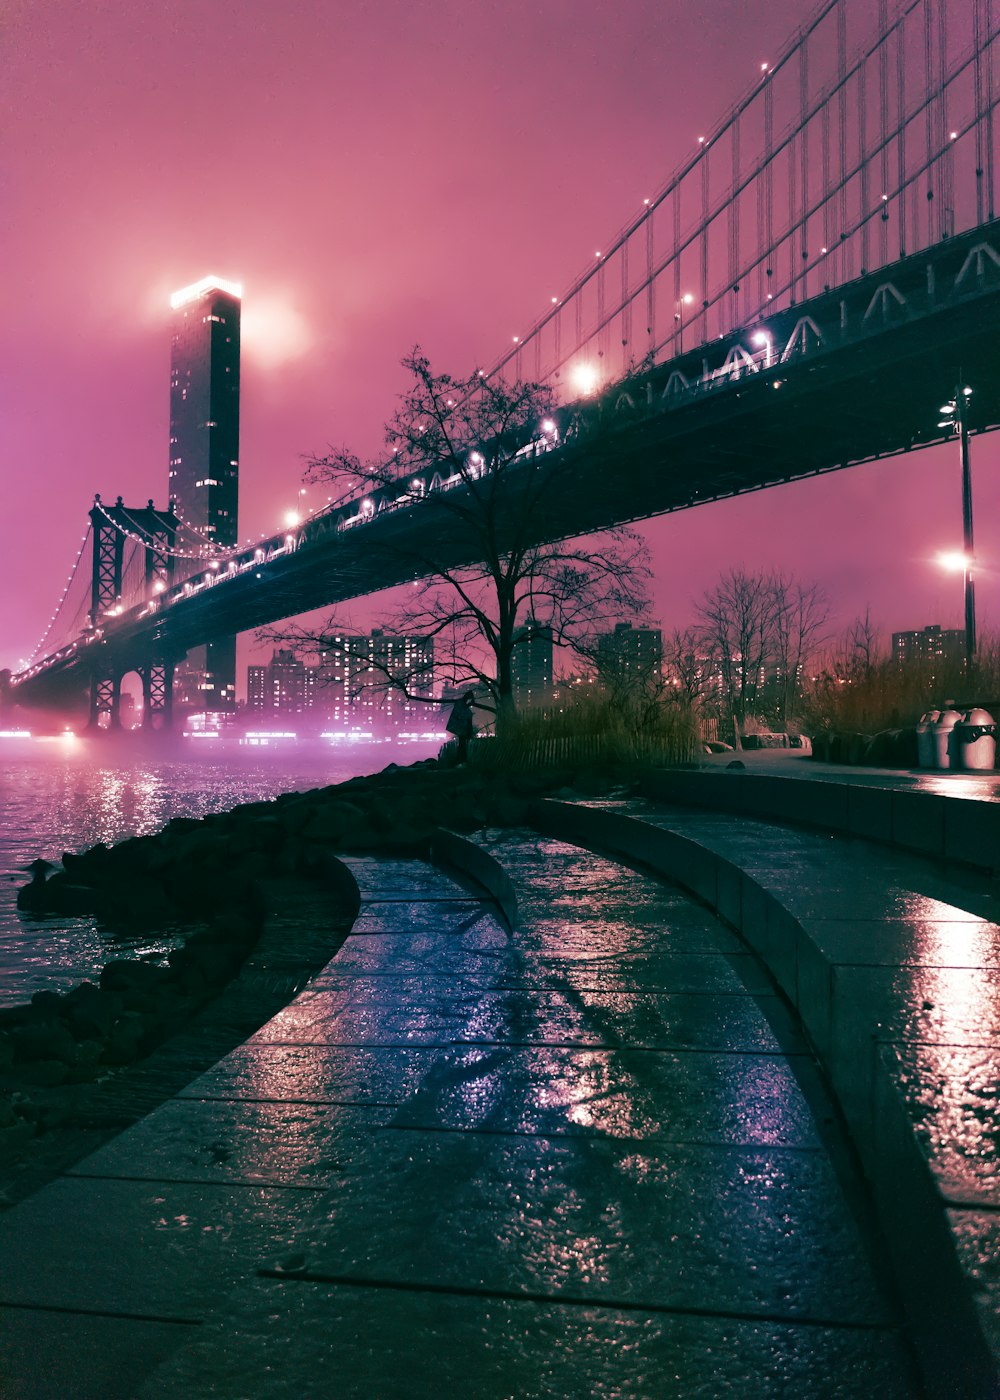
(220, 877)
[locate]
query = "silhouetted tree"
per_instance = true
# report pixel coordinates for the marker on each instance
(757, 631)
(475, 459)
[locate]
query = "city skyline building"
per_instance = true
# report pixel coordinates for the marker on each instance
(930, 643)
(204, 455)
(286, 685)
(356, 677)
(631, 652)
(531, 666)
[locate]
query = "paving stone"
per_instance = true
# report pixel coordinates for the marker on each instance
(952, 1094)
(433, 1011)
(48, 1355)
(351, 1075)
(157, 1250)
(295, 1339)
(763, 1231)
(404, 915)
(622, 1094)
(279, 1144)
(963, 942)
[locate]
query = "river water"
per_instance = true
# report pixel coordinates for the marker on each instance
(65, 794)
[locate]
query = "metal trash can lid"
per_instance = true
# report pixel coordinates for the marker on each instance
(947, 719)
(978, 716)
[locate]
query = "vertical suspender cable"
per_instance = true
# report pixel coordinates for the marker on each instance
(703, 293)
(947, 212)
(866, 206)
(883, 118)
(847, 257)
(901, 123)
(626, 308)
(804, 166)
(678, 291)
(602, 331)
(734, 226)
(988, 108)
(768, 258)
(930, 118)
(793, 203)
(650, 289)
(977, 40)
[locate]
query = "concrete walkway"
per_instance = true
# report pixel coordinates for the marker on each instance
(589, 1157)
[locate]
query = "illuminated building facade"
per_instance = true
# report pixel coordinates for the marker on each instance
(933, 643)
(531, 666)
(355, 675)
(631, 653)
(205, 453)
(286, 686)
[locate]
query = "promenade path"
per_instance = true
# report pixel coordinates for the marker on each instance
(589, 1156)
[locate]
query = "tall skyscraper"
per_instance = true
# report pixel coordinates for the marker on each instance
(531, 666)
(934, 643)
(631, 653)
(286, 686)
(205, 454)
(353, 688)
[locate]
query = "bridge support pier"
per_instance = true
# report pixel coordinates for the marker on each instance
(157, 694)
(105, 699)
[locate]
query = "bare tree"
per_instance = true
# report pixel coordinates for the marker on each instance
(684, 669)
(862, 647)
(801, 617)
(758, 631)
(737, 628)
(474, 459)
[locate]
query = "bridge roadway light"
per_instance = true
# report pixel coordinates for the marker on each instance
(762, 338)
(291, 518)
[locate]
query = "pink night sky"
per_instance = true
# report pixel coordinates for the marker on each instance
(375, 174)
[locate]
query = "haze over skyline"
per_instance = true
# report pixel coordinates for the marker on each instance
(375, 176)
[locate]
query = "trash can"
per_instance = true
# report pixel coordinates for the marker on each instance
(977, 744)
(925, 739)
(943, 736)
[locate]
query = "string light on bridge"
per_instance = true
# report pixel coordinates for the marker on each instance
(69, 580)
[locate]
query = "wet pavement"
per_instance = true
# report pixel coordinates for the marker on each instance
(893, 963)
(588, 1157)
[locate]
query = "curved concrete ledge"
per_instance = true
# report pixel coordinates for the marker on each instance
(954, 1352)
(947, 826)
(449, 849)
(339, 879)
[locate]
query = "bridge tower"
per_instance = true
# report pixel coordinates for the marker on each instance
(155, 531)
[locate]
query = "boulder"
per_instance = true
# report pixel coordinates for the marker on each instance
(43, 1040)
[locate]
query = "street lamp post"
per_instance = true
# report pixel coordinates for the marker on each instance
(956, 415)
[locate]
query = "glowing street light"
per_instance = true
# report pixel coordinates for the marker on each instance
(585, 378)
(953, 561)
(954, 415)
(291, 517)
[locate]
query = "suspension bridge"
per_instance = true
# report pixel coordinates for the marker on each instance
(798, 297)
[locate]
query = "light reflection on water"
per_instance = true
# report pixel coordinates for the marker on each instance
(57, 797)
